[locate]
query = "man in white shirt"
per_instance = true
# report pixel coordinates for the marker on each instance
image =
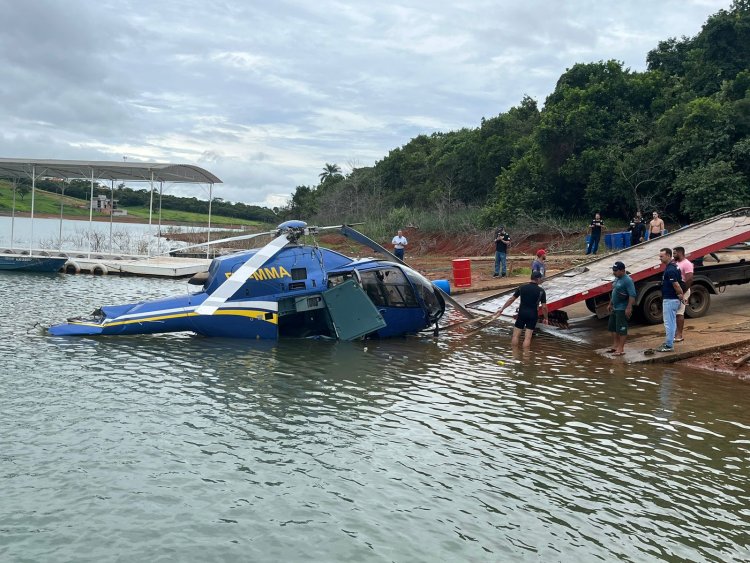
(399, 242)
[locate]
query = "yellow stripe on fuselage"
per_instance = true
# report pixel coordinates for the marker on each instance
(253, 314)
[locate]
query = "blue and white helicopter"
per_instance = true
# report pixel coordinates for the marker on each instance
(285, 288)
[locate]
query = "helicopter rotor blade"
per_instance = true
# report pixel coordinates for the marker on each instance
(218, 241)
(355, 235)
(234, 282)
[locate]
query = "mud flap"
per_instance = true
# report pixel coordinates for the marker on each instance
(352, 312)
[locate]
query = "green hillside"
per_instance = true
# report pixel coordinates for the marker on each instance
(48, 203)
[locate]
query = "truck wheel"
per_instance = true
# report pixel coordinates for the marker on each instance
(591, 304)
(598, 305)
(700, 300)
(651, 307)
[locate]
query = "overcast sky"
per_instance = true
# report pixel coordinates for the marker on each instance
(264, 93)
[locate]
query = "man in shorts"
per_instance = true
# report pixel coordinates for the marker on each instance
(532, 296)
(655, 226)
(687, 270)
(620, 308)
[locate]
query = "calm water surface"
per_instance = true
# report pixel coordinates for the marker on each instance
(178, 448)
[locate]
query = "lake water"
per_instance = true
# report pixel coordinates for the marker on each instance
(76, 235)
(179, 448)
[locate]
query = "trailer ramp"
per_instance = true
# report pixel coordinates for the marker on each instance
(595, 277)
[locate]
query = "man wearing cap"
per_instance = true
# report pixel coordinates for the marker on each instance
(502, 240)
(620, 308)
(537, 266)
(532, 296)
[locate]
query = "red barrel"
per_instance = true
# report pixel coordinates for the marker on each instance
(462, 272)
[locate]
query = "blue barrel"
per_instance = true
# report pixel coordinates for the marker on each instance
(626, 239)
(617, 241)
(444, 285)
(608, 241)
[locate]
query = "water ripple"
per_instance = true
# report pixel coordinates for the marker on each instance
(418, 449)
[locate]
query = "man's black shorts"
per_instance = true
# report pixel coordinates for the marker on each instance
(526, 321)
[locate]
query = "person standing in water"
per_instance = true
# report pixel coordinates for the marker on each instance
(532, 297)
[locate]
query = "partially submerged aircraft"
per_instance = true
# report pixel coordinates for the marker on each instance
(285, 288)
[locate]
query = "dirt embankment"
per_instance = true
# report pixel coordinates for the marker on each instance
(734, 361)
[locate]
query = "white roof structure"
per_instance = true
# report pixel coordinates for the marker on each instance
(151, 172)
(11, 168)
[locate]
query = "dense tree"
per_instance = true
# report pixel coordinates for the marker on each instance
(673, 138)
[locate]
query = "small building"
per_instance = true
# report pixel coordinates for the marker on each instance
(102, 204)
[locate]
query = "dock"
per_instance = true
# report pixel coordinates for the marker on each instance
(160, 266)
(83, 262)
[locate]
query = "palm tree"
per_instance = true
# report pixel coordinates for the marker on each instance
(330, 171)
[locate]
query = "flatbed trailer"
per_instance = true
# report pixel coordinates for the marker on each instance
(707, 280)
(593, 279)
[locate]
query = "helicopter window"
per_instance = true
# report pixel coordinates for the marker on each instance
(299, 274)
(337, 279)
(388, 288)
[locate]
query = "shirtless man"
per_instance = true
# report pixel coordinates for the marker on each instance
(655, 227)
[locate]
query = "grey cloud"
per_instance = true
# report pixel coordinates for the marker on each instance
(263, 94)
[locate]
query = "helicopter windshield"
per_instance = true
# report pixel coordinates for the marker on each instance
(433, 303)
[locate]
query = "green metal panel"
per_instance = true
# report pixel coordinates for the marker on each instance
(352, 312)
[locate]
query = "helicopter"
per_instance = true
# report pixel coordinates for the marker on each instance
(285, 289)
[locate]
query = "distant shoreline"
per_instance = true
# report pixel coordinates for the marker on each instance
(104, 219)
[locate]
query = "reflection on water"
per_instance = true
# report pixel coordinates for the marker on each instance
(419, 449)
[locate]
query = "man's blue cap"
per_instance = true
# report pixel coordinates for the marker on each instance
(618, 266)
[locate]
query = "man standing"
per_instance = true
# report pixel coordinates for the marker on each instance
(532, 296)
(637, 229)
(502, 241)
(537, 266)
(399, 242)
(655, 227)
(671, 297)
(620, 308)
(595, 234)
(686, 271)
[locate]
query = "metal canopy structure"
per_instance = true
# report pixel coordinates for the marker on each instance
(16, 168)
(11, 168)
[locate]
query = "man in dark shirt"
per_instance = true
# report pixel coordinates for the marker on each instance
(595, 234)
(671, 297)
(532, 296)
(637, 229)
(502, 241)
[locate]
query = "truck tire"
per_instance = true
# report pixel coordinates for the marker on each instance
(591, 304)
(651, 307)
(700, 300)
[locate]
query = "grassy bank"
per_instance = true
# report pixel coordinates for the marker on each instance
(48, 203)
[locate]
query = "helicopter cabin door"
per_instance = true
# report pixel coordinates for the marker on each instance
(352, 312)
